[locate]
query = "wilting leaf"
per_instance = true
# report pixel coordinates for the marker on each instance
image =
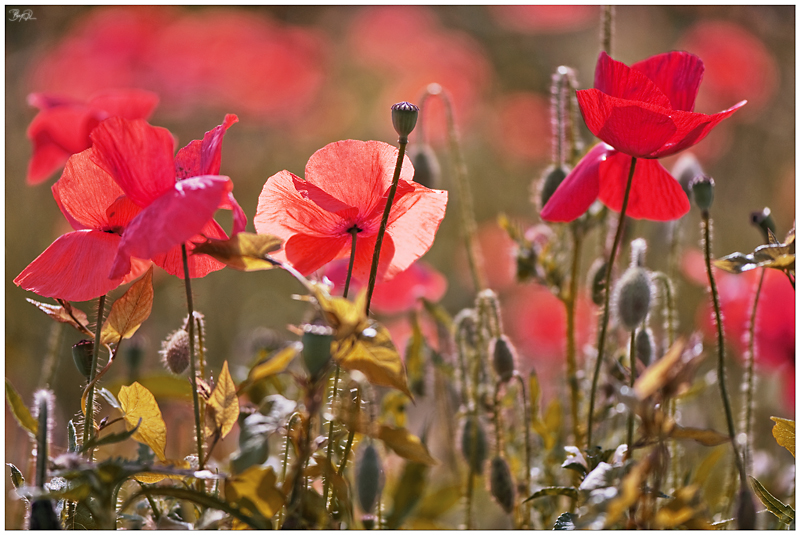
(276, 364)
(535, 392)
(671, 375)
(129, 311)
(570, 492)
(784, 512)
(223, 403)
(406, 445)
(552, 417)
(407, 493)
(372, 353)
(783, 431)
(137, 402)
(565, 522)
(243, 251)
(256, 484)
(62, 315)
(393, 406)
(338, 483)
(20, 411)
(706, 437)
(348, 318)
(110, 438)
(772, 255)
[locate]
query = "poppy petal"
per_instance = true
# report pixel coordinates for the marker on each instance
(677, 75)
(171, 219)
(579, 189)
(365, 250)
(654, 195)
(323, 199)
(137, 155)
(402, 292)
(127, 103)
(199, 265)
(56, 134)
(203, 157)
(309, 253)
(75, 267)
(691, 129)
(616, 79)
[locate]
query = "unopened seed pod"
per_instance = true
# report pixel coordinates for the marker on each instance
(317, 341)
(473, 443)
(685, 170)
(645, 348)
(552, 178)
(503, 358)
(427, 170)
(404, 118)
(82, 357)
(703, 191)
(502, 484)
(369, 475)
(633, 297)
(175, 352)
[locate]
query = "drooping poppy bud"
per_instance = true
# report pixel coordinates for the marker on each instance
(763, 220)
(685, 170)
(175, 352)
(404, 119)
(82, 356)
(703, 191)
(645, 349)
(633, 297)
(503, 358)
(317, 341)
(427, 170)
(369, 478)
(473, 443)
(552, 177)
(502, 484)
(598, 280)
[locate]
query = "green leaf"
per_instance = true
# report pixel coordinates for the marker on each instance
(20, 411)
(570, 492)
(784, 512)
(17, 479)
(109, 397)
(111, 438)
(783, 431)
(565, 522)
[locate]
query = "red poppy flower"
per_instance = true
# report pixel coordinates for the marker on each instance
(544, 19)
(345, 188)
(176, 197)
(62, 126)
(644, 111)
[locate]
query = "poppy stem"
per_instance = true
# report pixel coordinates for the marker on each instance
(607, 28)
(632, 357)
(373, 272)
(354, 233)
(192, 370)
(606, 298)
(749, 374)
(88, 425)
(526, 415)
(570, 304)
(329, 466)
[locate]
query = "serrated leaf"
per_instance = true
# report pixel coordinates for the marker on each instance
(256, 484)
(109, 397)
(62, 315)
(223, 403)
(372, 353)
(129, 311)
(406, 445)
(570, 492)
(20, 411)
(276, 364)
(111, 438)
(706, 437)
(784, 512)
(565, 522)
(137, 402)
(17, 479)
(783, 431)
(243, 251)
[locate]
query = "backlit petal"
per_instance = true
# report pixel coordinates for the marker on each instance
(579, 189)
(199, 265)
(127, 103)
(309, 253)
(691, 128)
(365, 250)
(677, 75)
(402, 292)
(616, 79)
(203, 157)
(57, 133)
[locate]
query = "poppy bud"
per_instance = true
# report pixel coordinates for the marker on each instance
(644, 346)
(43, 516)
(598, 279)
(553, 177)
(703, 191)
(763, 220)
(633, 297)
(316, 348)
(502, 358)
(638, 250)
(82, 356)
(134, 353)
(745, 509)
(473, 443)
(175, 352)
(369, 478)
(404, 118)
(501, 483)
(685, 170)
(427, 170)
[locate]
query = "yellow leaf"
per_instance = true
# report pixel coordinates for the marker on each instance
(704, 470)
(129, 311)
(552, 417)
(137, 402)
(65, 314)
(406, 445)
(783, 431)
(630, 490)
(161, 386)
(535, 394)
(706, 437)
(223, 402)
(276, 364)
(347, 318)
(393, 405)
(659, 373)
(243, 251)
(20, 411)
(153, 477)
(257, 485)
(372, 353)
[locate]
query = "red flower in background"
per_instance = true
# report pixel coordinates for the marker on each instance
(346, 186)
(644, 111)
(522, 127)
(62, 126)
(399, 294)
(544, 19)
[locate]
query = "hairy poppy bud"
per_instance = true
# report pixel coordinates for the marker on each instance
(644, 346)
(502, 358)
(427, 170)
(473, 443)
(633, 297)
(763, 220)
(316, 348)
(175, 352)
(685, 170)
(369, 476)
(501, 483)
(703, 191)
(82, 356)
(553, 177)
(404, 118)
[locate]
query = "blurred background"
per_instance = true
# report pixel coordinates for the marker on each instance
(301, 77)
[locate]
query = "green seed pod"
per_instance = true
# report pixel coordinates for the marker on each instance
(175, 352)
(685, 170)
(645, 349)
(473, 443)
(404, 118)
(763, 220)
(427, 170)
(503, 358)
(633, 297)
(703, 191)
(82, 356)
(552, 178)
(598, 280)
(369, 477)
(502, 484)
(317, 341)
(43, 516)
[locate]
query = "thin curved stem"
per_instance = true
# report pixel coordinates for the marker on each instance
(572, 366)
(527, 422)
(354, 233)
(606, 299)
(327, 484)
(192, 367)
(88, 425)
(632, 357)
(749, 389)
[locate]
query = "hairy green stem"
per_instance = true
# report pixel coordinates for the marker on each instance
(88, 425)
(526, 425)
(327, 484)
(350, 437)
(607, 28)
(606, 300)
(572, 365)
(286, 461)
(632, 360)
(192, 366)
(749, 382)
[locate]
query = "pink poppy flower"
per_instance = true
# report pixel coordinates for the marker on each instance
(644, 111)
(346, 186)
(62, 126)
(544, 19)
